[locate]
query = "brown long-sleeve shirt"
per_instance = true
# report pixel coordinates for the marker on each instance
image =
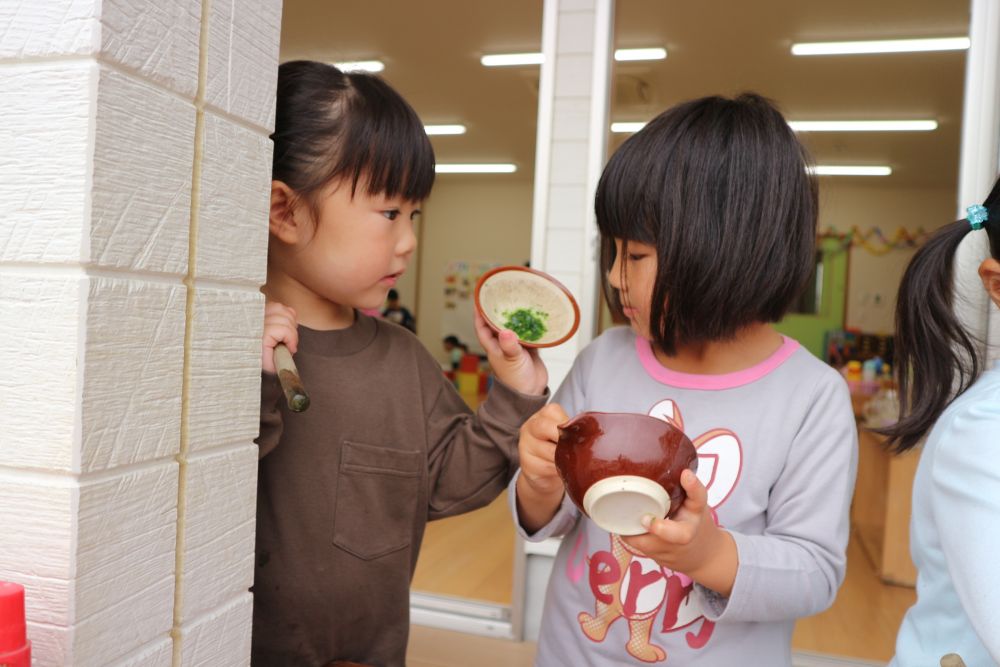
(345, 489)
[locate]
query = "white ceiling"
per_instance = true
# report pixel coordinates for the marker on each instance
(432, 49)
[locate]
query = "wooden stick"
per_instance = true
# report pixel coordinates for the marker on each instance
(952, 660)
(291, 383)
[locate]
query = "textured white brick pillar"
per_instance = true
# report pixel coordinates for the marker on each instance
(570, 154)
(980, 162)
(133, 200)
(571, 151)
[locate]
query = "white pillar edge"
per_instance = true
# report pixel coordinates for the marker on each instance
(980, 160)
(600, 109)
(543, 137)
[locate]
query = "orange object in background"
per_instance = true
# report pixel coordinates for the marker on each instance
(469, 364)
(15, 649)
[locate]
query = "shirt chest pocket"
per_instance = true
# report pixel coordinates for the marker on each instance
(377, 496)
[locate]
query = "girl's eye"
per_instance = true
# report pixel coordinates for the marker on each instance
(391, 214)
(635, 258)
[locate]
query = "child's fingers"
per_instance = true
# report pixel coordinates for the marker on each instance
(279, 329)
(276, 308)
(509, 345)
(697, 494)
(280, 326)
(544, 424)
(539, 470)
(667, 530)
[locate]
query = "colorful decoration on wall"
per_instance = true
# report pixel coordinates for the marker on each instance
(460, 278)
(874, 239)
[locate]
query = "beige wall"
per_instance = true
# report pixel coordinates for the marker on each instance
(873, 280)
(474, 218)
(483, 218)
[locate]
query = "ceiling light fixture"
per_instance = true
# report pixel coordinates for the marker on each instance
(628, 55)
(373, 66)
(512, 59)
(880, 46)
(477, 168)
(863, 125)
(847, 170)
(520, 59)
(433, 130)
(627, 127)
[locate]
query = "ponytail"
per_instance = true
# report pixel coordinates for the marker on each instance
(936, 358)
(931, 345)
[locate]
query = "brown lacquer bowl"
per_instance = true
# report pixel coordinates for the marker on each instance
(619, 467)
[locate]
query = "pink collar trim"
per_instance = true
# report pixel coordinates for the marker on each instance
(712, 382)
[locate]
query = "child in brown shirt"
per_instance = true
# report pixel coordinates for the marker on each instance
(345, 489)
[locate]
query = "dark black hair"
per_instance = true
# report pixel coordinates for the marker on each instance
(936, 358)
(330, 124)
(452, 340)
(720, 187)
(392, 295)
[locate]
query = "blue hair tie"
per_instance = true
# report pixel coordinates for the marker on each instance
(977, 216)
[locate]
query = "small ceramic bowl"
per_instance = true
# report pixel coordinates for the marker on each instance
(533, 304)
(619, 467)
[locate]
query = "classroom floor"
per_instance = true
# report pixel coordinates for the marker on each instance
(471, 556)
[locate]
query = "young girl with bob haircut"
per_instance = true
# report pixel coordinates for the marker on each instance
(346, 488)
(708, 223)
(944, 391)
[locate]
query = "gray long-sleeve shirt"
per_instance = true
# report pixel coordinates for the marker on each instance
(345, 489)
(777, 450)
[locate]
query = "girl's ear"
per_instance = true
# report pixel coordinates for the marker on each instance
(989, 271)
(282, 222)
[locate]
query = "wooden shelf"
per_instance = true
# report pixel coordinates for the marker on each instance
(880, 511)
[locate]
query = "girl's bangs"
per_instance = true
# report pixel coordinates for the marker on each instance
(622, 207)
(384, 143)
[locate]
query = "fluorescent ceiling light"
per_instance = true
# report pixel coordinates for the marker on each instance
(512, 59)
(372, 66)
(627, 127)
(863, 125)
(482, 168)
(624, 55)
(515, 59)
(444, 129)
(880, 46)
(846, 170)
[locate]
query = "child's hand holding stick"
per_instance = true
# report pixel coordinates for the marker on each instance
(281, 338)
(288, 376)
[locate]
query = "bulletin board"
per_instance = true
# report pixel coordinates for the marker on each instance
(457, 316)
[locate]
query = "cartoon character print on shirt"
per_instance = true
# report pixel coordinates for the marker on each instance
(628, 585)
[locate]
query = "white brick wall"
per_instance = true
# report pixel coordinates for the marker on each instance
(235, 197)
(224, 367)
(200, 643)
(141, 191)
(132, 246)
(218, 534)
(242, 50)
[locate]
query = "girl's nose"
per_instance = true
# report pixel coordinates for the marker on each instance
(407, 242)
(615, 274)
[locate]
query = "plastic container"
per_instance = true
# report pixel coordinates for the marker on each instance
(15, 649)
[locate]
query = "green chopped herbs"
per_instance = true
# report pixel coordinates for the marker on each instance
(528, 324)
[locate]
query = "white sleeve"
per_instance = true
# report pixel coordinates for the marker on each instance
(965, 500)
(796, 566)
(562, 523)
